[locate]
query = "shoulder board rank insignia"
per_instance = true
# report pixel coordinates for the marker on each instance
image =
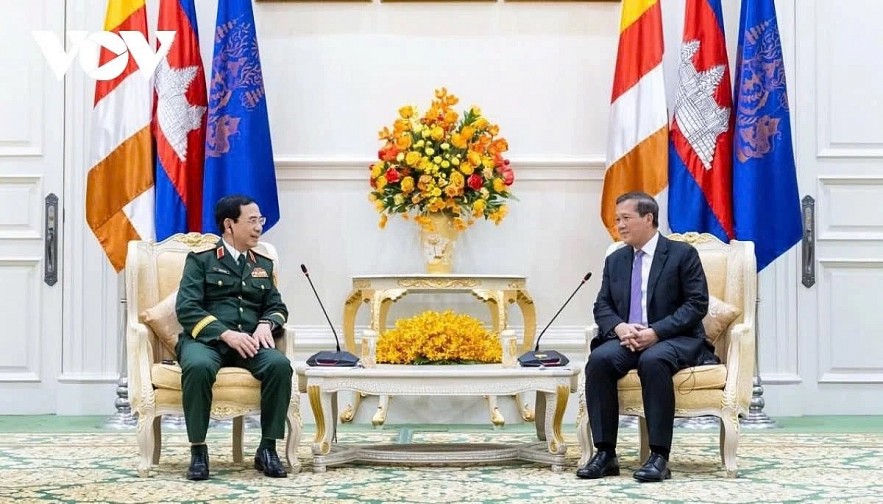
(257, 253)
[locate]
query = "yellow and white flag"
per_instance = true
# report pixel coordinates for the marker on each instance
(637, 146)
(119, 187)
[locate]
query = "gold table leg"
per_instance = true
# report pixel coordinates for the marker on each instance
(382, 409)
(350, 309)
(494, 410)
(554, 416)
(320, 402)
(348, 413)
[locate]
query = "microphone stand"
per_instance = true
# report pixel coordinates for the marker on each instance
(327, 358)
(550, 358)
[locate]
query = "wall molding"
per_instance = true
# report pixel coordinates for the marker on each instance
(316, 168)
(89, 378)
(309, 339)
(780, 378)
(845, 375)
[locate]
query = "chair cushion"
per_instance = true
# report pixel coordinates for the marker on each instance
(691, 378)
(168, 376)
(163, 321)
(720, 315)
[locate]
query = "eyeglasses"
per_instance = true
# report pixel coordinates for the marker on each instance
(257, 220)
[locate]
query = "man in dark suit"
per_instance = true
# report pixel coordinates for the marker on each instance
(229, 308)
(649, 313)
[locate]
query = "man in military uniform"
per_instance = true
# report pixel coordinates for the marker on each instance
(229, 307)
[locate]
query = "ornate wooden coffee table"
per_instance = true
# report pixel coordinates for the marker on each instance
(552, 387)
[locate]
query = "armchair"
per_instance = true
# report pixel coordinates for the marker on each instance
(153, 272)
(722, 390)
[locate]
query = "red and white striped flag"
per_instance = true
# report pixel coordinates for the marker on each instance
(637, 146)
(119, 187)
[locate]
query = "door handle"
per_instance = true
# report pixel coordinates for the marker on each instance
(808, 243)
(50, 240)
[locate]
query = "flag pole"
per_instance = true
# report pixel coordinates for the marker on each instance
(757, 418)
(123, 418)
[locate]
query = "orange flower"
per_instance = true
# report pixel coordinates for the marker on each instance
(407, 185)
(459, 140)
(498, 146)
(388, 152)
(403, 141)
(406, 112)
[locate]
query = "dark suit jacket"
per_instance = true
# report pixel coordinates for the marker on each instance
(677, 298)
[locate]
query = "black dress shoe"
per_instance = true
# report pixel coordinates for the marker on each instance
(604, 463)
(655, 469)
(266, 460)
(198, 463)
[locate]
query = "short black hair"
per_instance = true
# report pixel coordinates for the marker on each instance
(645, 204)
(230, 207)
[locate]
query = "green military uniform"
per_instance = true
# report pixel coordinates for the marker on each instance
(217, 294)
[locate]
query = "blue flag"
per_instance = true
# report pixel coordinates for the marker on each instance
(238, 152)
(765, 199)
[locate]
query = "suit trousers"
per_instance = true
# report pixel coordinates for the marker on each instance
(199, 369)
(609, 362)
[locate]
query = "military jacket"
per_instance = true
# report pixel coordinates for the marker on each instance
(216, 294)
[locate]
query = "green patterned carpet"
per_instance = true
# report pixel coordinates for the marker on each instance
(775, 466)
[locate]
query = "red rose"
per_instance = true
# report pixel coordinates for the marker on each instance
(508, 176)
(392, 176)
(475, 182)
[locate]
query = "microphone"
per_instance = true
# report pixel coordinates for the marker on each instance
(549, 358)
(327, 358)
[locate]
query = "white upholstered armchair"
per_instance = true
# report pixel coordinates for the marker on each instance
(153, 273)
(722, 390)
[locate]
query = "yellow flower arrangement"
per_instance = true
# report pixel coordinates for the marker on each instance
(438, 338)
(442, 162)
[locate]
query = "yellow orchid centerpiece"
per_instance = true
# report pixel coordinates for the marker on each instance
(442, 162)
(438, 338)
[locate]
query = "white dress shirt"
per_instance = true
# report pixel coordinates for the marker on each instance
(649, 249)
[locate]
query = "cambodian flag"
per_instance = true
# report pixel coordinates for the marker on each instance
(700, 150)
(179, 123)
(238, 154)
(765, 197)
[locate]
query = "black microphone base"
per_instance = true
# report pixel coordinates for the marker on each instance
(543, 358)
(333, 359)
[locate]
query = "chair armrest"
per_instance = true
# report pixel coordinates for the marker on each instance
(286, 342)
(139, 359)
(740, 366)
(591, 333)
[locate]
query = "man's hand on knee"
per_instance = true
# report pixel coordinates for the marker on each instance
(243, 343)
(264, 336)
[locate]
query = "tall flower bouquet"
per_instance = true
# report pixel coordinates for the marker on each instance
(442, 163)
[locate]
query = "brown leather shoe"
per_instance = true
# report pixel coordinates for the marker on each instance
(267, 460)
(655, 469)
(603, 463)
